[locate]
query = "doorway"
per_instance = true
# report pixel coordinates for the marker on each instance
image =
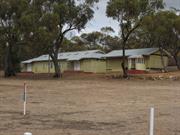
(29, 67)
(76, 66)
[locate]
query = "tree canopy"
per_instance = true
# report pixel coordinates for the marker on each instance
(10, 34)
(57, 19)
(162, 30)
(129, 14)
(35, 27)
(42, 24)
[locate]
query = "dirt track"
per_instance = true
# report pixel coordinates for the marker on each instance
(89, 107)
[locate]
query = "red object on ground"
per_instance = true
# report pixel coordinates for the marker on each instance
(72, 71)
(136, 72)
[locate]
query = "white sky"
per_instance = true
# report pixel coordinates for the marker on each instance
(100, 20)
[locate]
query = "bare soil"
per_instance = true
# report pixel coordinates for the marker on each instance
(89, 106)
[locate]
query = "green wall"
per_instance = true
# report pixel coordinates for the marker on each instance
(99, 66)
(114, 64)
(93, 65)
(43, 67)
(154, 62)
(151, 62)
(88, 65)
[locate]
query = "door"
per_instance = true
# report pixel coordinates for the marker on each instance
(76, 66)
(29, 68)
(133, 64)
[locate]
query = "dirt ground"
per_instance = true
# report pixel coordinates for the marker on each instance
(92, 106)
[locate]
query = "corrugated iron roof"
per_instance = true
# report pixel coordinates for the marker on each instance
(135, 56)
(94, 54)
(131, 52)
(70, 56)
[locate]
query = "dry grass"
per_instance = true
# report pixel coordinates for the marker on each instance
(93, 106)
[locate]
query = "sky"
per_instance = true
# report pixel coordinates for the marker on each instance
(100, 20)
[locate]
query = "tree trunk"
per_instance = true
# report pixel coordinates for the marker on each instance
(57, 69)
(8, 64)
(176, 61)
(124, 68)
(162, 60)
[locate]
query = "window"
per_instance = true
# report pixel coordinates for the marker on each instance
(140, 60)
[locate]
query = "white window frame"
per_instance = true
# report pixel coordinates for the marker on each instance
(140, 61)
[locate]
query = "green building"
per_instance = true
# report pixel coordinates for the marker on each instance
(95, 61)
(136, 59)
(85, 61)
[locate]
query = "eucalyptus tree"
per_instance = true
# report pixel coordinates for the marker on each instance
(107, 30)
(92, 39)
(10, 36)
(163, 31)
(75, 44)
(55, 18)
(129, 14)
(175, 51)
(99, 40)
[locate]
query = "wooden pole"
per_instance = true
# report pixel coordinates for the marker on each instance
(24, 98)
(151, 124)
(49, 65)
(27, 133)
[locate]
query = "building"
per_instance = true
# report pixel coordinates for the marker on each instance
(85, 61)
(95, 61)
(136, 59)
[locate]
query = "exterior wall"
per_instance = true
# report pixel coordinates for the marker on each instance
(114, 64)
(150, 62)
(43, 67)
(146, 61)
(88, 65)
(99, 66)
(93, 65)
(70, 66)
(154, 62)
(63, 65)
(140, 66)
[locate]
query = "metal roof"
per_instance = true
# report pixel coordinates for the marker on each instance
(70, 56)
(131, 52)
(135, 56)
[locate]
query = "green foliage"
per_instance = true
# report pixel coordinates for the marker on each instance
(177, 24)
(129, 14)
(73, 45)
(107, 30)
(50, 21)
(10, 34)
(90, 2)
(97, 40)
(162, 30)
(162, 27)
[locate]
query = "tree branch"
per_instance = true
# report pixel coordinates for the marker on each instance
(134, 28)
(69, 29)
(61, 36)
